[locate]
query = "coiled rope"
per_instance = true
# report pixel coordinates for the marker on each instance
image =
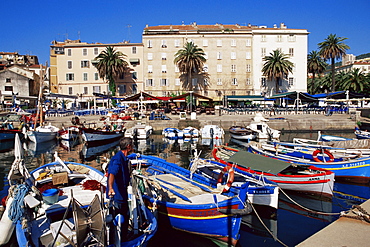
(16, 210)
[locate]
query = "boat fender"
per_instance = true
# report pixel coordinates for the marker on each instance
(6, 224)
(230, 177)
(325, 151)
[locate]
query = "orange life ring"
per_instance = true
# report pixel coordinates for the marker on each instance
(230, 177)
(325, 151)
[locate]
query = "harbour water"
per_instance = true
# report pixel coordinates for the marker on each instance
(291, 225)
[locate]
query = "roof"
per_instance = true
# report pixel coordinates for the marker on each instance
(195, 95)
(294, 95)
(339, 95)
(145, 96)
(246, 98)
(258, 162)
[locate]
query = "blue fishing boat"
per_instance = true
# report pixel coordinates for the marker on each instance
(355, 170)
(173, 133)
(64, 204)
(190, 203)
(362, 134)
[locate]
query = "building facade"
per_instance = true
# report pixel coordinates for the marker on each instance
(234, 56)
(72, 70)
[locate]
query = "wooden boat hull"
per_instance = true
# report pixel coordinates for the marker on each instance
(201, 218)
(70, 133)
(315, 180)
(9, 134)
(92, 135)
(241, 133)
(37, 137)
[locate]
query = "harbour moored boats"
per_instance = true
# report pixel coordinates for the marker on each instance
(211, 131)
(192, 204)
(43, 133)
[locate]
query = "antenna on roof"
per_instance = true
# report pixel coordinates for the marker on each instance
(129, 35)
(79, 34)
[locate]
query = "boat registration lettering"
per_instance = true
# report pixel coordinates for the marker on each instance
(354, 164)
(314, 178)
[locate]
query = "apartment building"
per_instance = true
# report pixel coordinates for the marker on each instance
(72, 70)
(234, 56)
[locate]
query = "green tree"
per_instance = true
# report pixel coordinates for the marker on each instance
(315, 65)
(277, 67)
(111, 64)
(356, 81)
(330, 49)
(190, 61)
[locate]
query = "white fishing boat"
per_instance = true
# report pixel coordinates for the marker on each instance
(242, 133)
(139, 131)
(69, 133)
(260, 128)
(43, 133)
(211, 131)
(191, 132)
(92, 135)
(173, 133)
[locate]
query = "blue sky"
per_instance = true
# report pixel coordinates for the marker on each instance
(28, 27)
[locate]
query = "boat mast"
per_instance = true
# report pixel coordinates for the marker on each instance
(39, 105)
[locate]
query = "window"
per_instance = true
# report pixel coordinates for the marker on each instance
(291, 81)
(233, 42)
(149, 44)
(164, 56)
(263, 82)
(150, 68)
(96, 76)
(206, 55)
(9, 88)
(69, 64)
(279, 38)
(150, 56)
(164, 93)
(133, 50)
(122, 89)
(86, 91)
(234, 81)
(85, 76)
(177, 82)
(69, 52)
(134, 88)
(84, 52)
(70, 77)
(263, 52)
(164, 43)
(219, 67)
(233, 55)
(205, 68)
(177, 43)
(219, 55)
(177, 69)
(248, 68)
(163, 82)
(164, 68)
(263, 38)
(70, 90)
(248, 81)
(248, 55)
(96, 51)
(194, 82)
(233, 93)
(291, 38)
(233, 68)
(219, 42)
(134, 75)
(8, 80)
(205, 42)
(96, 89)
(85, 64)
(291, 52)
(248, 42)
(219, 81)
(149, 83)
(205, 93)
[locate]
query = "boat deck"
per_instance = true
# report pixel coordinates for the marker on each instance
(343, 232)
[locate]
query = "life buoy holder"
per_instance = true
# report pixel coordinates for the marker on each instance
(325, 151)
(230, 177)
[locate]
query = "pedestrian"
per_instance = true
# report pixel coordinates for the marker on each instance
(118, 181)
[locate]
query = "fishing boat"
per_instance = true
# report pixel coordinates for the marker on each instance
(191, 132)
(307, 179)
(261, 191)
(139, 131)
(92, 135)
(43, 133)
(352, 170)
(9, 134)
(65, 205)
(260, 128)
(173, 133)
(69, 133)
(242, 133)
(331, 138)
(191, 203)
(211, 131)
(362, 134)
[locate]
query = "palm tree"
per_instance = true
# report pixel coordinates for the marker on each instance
(111, 64)
(333, 48)
(356, 81)
(190, 61)
(315, 64)
(276, 66)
